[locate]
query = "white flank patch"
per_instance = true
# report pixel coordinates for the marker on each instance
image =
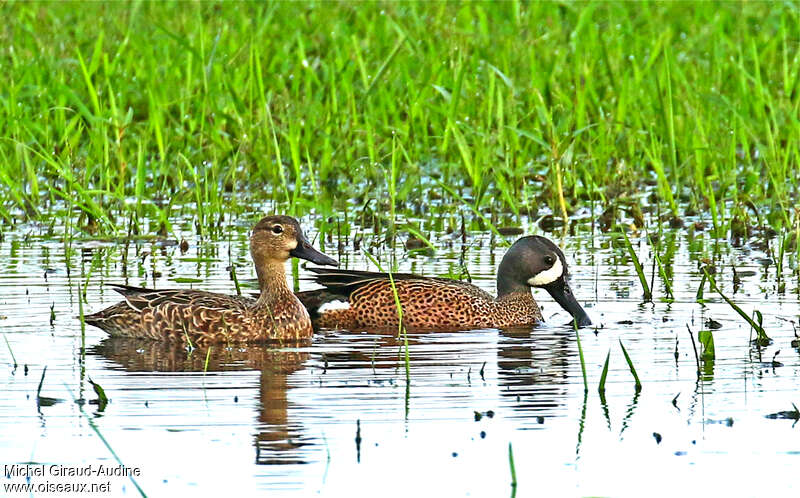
(548, 276)
(333, 306)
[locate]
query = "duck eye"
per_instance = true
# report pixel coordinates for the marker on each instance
(277, 229)
(549, 259)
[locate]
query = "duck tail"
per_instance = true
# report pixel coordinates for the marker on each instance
(129, 290)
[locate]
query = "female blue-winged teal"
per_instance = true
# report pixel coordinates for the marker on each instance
(205, 317)
(362, 300)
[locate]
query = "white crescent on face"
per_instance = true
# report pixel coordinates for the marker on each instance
(547, 276)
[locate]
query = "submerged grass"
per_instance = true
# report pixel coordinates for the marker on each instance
(551, 106)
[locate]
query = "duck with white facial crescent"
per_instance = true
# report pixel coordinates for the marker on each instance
(365, 300)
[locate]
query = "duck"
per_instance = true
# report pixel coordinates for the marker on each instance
(358, 300)
(197, 317)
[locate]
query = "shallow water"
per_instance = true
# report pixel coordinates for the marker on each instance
(342, 417)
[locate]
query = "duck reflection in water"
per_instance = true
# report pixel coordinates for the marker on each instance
(280, 439)
(533, 369)
(532, 363)
(529, 365)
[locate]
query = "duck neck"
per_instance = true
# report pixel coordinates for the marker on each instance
(508, 281)
(272, 282)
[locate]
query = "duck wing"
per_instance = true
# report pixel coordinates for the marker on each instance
(140, 298)
(346, 282)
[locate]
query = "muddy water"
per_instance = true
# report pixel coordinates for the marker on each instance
(342, 417)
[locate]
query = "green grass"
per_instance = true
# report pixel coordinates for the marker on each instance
(762, 339)
(694, 347)
(601, 388)
(647, 294)
(402, 333)
(512, 106)
(10, 351)
(511, 466)
(580, 356)
(706, 338)
(99, 434)
(637, 382)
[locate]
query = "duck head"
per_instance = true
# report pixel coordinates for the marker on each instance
(535, 261)
(277, 238)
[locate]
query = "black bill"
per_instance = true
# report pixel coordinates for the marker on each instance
(304, 250)
(561, 292)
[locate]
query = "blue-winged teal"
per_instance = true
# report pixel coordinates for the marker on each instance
(361, 300)
(205, 317)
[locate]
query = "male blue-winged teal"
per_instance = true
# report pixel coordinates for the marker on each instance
(205, 317)
(364, 300)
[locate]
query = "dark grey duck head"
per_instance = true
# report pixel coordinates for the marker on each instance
(535, 261)
(277, 238)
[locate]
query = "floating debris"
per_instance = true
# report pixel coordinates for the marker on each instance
(510, 231)
(480, 415)
(786, 414)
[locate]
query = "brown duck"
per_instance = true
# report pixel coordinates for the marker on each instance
(365, 300)
(205, 317)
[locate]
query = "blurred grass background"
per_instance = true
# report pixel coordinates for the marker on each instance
(115, 112)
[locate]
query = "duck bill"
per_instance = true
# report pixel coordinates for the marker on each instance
(563, 295)
(306, 251)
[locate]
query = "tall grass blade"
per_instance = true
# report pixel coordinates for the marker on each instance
(647, 294)
(386, 63)
(105, 442)
(699, 295)
(602, 387)
(631, 367)
(13, 358)
(511, 465)
(205, 364)
(694, 347)
(580, 355)
(401, 330)
(762, 337)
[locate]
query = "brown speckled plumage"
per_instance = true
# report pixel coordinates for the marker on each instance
(444, 304)
(205, 317)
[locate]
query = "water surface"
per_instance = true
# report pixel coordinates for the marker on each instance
(342, 417)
